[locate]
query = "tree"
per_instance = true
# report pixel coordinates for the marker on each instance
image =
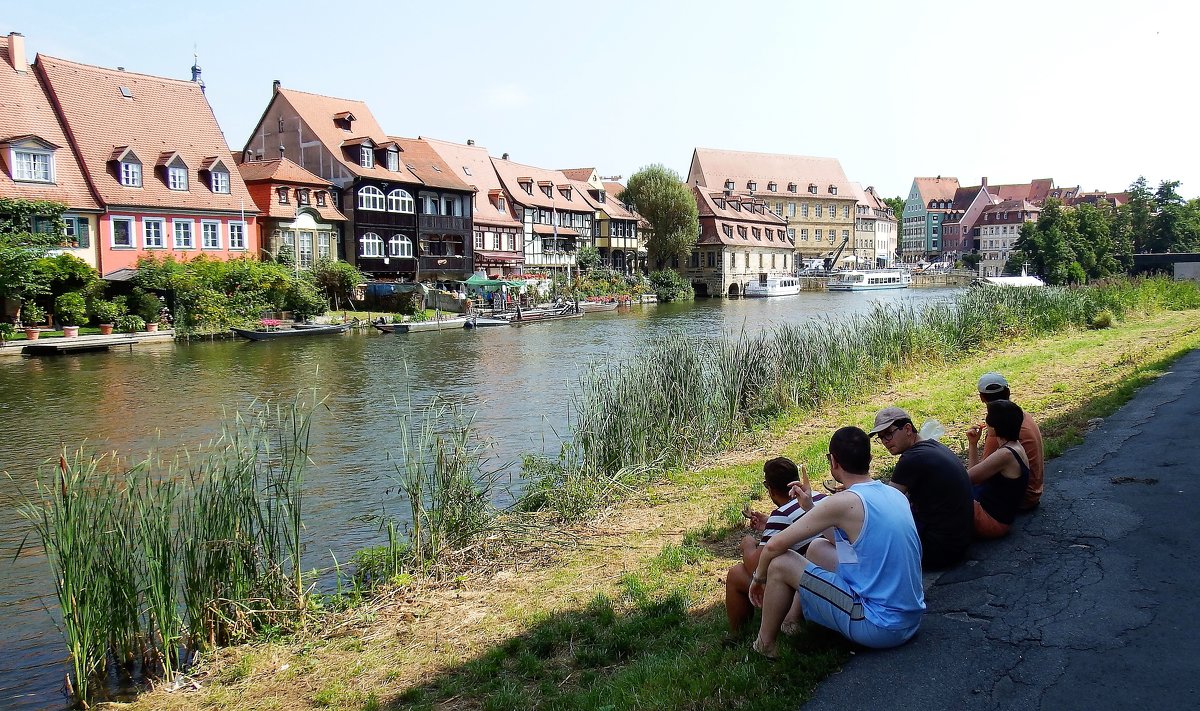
(971, 260)
(587, 258)
(21, 247)
(660, 196)
(1141, 209)
(897, 205)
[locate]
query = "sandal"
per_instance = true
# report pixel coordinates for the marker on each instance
(791, 629)
(758, 648)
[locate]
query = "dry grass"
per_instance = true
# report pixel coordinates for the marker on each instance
(370, 655)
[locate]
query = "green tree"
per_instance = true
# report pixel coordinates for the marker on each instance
(336, 280)
(587, 258)
(1140, 209)
(21, 246)
(971, 260)
(897, 205)
(660, 196)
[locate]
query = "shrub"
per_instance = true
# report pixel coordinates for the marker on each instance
(144, 304)
(1102, 319)
(670, 285)
(105, 311)
(6, 332)
(130, 323)
(32, 314)
(70, 308)
(304, 301)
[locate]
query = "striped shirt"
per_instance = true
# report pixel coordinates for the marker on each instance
(780, 519)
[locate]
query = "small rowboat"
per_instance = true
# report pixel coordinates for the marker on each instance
(590, 306)
(290, 332)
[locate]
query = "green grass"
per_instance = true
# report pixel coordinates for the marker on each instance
(83, 331)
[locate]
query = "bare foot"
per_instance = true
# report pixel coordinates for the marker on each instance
(768, 652)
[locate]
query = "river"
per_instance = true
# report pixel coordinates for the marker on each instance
(166, 395)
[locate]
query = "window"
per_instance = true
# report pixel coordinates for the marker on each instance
(833, 190)
(400, 246)
(804, 209)
(302, 196)
(122, 232)
(283, 195)
(778, 208)
(478, 239)
(76, 230)
(712, 259)
(845, 211)
(370, 198)
(527, 187)
(757, 234)
(152, 234)
(177, 177)
(791, 209)
(728, 230)
(694, 260)
(429, 204)
(320, 198)
(372, 245)
(35, 166)
(817, 235)
(184, 239)
(393, 159)
(323, 245)
(804, 235)
(219, 181)
(741, 231)
(237, 235)
(772, 186)
(760, 260)
(772, 260)
(305, 253)
(366, 157)
(398, 200)
(820, 208)
(210, 235)
(791, 233)
(131, 175)
(500, 203)
(752, 186)
(845, 234)
(812, 188)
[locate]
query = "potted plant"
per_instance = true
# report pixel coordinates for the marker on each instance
(130, 323)
(31, 316)
(105, 314)
(6, 332)
(151, 326)
(72, 311)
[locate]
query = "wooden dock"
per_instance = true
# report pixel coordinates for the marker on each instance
(83, 344)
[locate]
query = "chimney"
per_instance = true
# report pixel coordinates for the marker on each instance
(275, 85)
(504, 157)
(120, 69)
(16, 52)
(470, 141)
(983, 181)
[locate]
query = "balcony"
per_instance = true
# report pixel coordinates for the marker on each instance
(444, 263)
(444, 222)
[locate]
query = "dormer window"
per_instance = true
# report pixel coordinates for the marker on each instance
(727, 230)
(302, 196)
(320, 198)
(772, 186)
(736, 205)
(751, 185)
(757, 234)
(566, 192)
(393, 159)
(729, 184)
(833, 190)
(32, 160)
(526, 185)
(501, 205)
(343, 120)
(177, 176)
(720, 202)
(742, 231)
(366, 156)
(131, 174)
(283, 195)
(220, 181)
(791, 187)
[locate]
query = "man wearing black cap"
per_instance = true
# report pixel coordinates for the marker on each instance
(993, 386)
(937, 486)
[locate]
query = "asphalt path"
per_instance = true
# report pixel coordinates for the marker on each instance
(1090, 603)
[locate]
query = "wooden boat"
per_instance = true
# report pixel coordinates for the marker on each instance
(417, 326)
(290, 332)
(553, 313)
(590, 306)
(486, 322)
(870, 280)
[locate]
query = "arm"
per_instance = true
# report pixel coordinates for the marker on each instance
(827, 515)
(992, 465)
(973, 435)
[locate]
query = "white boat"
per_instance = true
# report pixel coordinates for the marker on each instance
(773, 286)
(870, 280)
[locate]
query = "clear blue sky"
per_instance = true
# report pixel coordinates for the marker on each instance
(1091, 93)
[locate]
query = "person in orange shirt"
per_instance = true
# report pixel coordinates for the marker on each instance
(992, 387)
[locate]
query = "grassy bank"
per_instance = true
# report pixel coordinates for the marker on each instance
(631, 616)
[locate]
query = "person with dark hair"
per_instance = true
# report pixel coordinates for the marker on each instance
(936, 484)
(993, 386)
(865, 580)
(1000, 479)
(778, 475)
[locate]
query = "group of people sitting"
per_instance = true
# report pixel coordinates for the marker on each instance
(852, 561)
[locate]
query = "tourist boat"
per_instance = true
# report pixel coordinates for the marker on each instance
(870, 280)
(773, 286)
(302, 330)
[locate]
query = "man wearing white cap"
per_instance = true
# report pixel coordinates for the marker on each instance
(993, 386)
(937, 486)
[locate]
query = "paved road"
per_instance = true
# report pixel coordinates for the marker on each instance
(1089, 604)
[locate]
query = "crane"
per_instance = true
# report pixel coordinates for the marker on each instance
(831, 262)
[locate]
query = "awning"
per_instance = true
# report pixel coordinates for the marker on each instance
(123, 274)
(476, 280)
(505, 257)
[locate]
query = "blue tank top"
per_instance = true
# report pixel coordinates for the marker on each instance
(883, 567)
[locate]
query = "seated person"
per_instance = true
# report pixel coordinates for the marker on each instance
(778, 475)
(1000, 479)
(867, 584)
(993, 386)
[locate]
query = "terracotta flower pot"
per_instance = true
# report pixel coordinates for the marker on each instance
(70, 331)
(106, 329)
(152, 327)
(32, 334)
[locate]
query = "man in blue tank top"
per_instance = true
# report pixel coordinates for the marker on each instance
(864, 579)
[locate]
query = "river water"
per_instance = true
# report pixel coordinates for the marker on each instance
(163, 396)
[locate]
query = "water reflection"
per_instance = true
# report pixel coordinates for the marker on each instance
(517, 380)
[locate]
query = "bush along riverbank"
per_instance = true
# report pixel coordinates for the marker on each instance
(678, 401)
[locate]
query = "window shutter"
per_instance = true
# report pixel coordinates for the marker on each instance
(81, 233)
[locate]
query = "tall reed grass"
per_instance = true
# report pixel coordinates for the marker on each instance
(157, 561)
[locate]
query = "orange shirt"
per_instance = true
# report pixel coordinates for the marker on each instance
(1031, 442)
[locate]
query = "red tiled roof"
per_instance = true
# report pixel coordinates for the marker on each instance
(318, 113)
(938, 188)
(421, 159)
(510, 174)
(713, 219)
(581, 174)
(283, 172)
(474, 167)
(25, 112)
(716, 166)
(280, 170)
(162, 115)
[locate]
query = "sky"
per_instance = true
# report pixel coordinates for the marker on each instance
(1089, 93)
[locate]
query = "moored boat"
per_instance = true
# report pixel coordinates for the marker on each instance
(870, 280)
(773, 286)
(306, 330)
(442, 324)
(590, 306)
